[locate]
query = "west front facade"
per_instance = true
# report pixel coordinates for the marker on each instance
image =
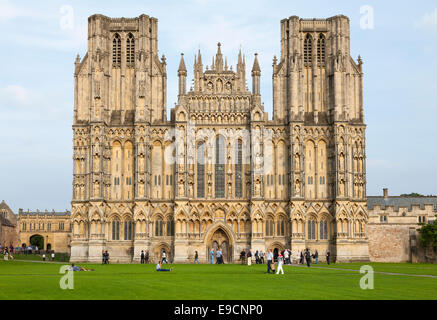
(219, 173)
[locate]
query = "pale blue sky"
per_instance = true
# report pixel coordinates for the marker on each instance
(36, 81)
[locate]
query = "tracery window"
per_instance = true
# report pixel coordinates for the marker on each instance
(321, 46)
(269, 227)
(239, 170)
(308, 49)
(200, 170)
(220, 148)
(116, 50)
(311, 229)
(323, 230)
(115, 230)
(128, 230)
(130, 50)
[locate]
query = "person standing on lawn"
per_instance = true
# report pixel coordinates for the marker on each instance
(328, 255)
(211, 256)
(280, 264)
(308, 257)
(142, 256)
(196, 257)
(249, 258)
(316, 256)
(269, 257)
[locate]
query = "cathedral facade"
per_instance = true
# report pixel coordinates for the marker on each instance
(219, 173)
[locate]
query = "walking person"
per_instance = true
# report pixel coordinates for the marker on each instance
(328, 255)
(316, 256)
(164, 257)
(43, 257)
(103, 257)
(269, 257)
(53, 256)
(146, 257)
(301, 258)
(211, 255)
(249, 258)
(280, 263)
(242, 256)
(196, 257)
(218, 256)
(308, 257)
(286, 257)
(261, 257)
(142, 256)
(106, 257)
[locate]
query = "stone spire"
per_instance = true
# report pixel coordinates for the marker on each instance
(256, 75)
(182, 67)
(182, 73)
(256, 69)
(219, 58)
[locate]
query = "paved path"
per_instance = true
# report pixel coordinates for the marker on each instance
(377, 272)
(52, 262)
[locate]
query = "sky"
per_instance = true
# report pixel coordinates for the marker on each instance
(40, 40)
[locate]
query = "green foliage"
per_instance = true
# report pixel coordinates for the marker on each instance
(413, 195)
(428, 234)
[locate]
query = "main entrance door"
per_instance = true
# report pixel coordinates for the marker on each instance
(219, 240)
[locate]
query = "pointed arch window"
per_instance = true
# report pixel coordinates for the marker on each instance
(128, 230)
(130, 50)
(311, 229)
(116, 50)
(239, 170)
(323, 230)
(321, 46)
(115, 230)
(200, 170)
(308, 50)
(220, 148)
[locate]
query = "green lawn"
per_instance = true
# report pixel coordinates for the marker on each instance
(31, 280)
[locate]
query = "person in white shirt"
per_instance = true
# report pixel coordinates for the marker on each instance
(286, 256)
(164, 259)
(280, 263)
(269, 256)
(53, 256)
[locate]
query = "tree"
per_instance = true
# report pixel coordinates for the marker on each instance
(428, 234)
(413, 195)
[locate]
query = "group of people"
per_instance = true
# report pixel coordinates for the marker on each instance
(145, 256)
(105, 257)
(247, 257)
(52, 256)
(218, 256)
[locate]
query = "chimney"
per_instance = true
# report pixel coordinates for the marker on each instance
(385, 193)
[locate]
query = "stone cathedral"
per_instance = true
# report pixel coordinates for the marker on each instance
(217, 172)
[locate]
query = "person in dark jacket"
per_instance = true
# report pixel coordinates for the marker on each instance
(308, 257)
(142, 256)
(316, 256)
(328, 255)
(301, 257)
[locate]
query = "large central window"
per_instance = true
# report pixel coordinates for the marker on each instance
(200, 170)
(220, 148)
(239, 170)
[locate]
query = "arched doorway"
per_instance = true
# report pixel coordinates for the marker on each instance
(38, 241)
(276, 249)
(159, 249)
(49, 247)
(220, 240)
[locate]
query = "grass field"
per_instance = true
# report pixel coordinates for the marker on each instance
(32, 280)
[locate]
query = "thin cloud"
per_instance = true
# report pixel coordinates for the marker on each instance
(428, 22)
(15, 96)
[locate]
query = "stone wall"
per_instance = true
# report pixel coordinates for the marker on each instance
(389, 243)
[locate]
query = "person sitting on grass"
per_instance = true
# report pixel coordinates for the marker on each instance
(76, 268)
(158, 268)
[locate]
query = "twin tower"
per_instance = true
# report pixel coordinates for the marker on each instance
(219, 174)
